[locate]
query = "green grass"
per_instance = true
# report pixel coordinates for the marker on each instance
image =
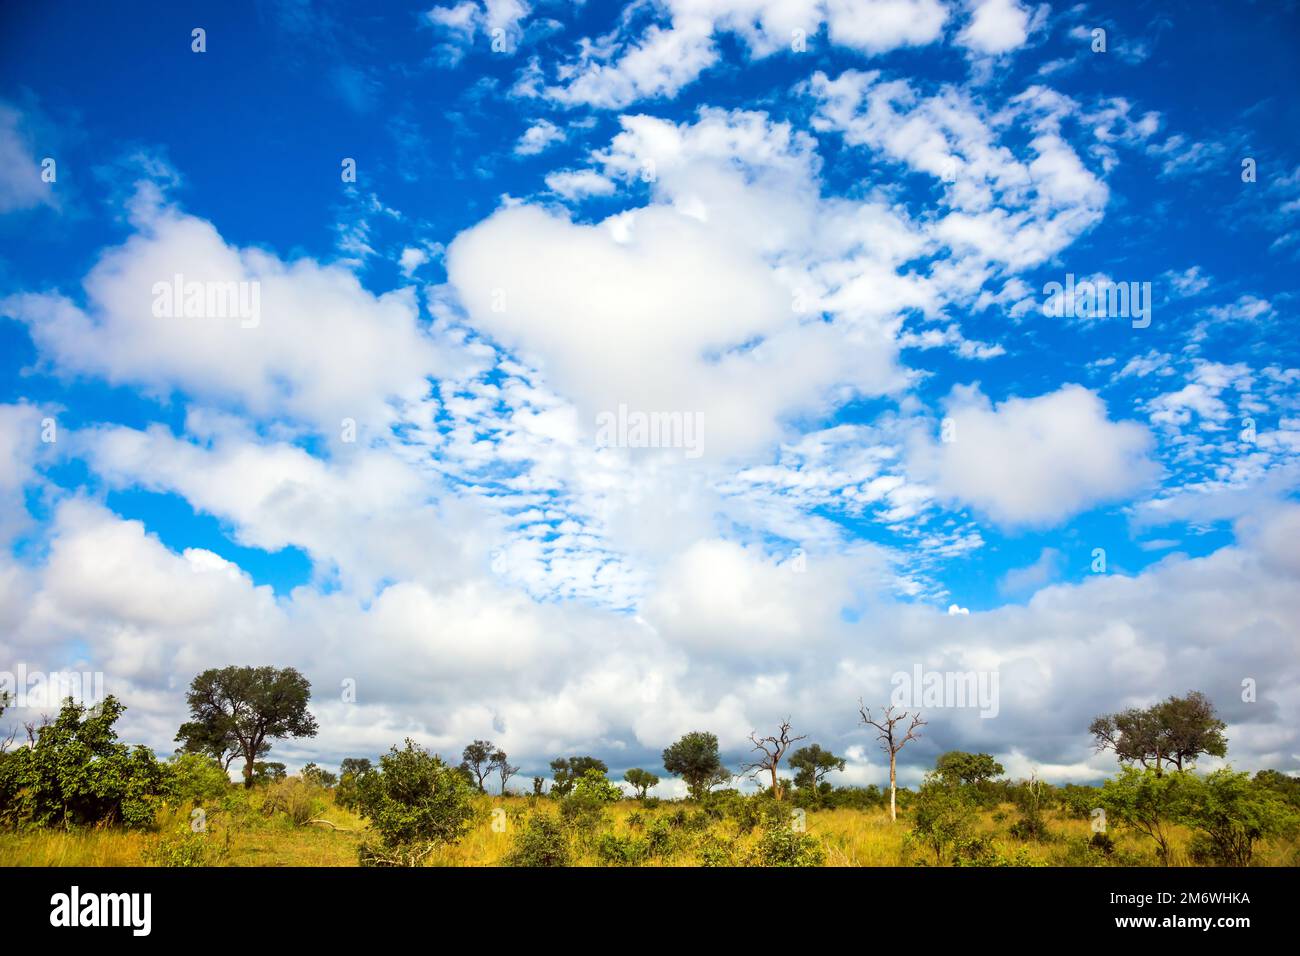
(247, 837)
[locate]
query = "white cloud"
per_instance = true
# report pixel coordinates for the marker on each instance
(579, 183)
(995, 26)
(878, 26)
(322, 349)
(622, 68)
(1035, 461)
(537, 138)
(21, 182)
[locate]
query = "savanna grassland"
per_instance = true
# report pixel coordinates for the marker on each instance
(255, 829)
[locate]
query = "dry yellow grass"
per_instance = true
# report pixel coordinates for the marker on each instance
(849, 837)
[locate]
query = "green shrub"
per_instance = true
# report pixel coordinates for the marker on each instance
(615, 850)
(541, 842)
(983, 851)
(195, 778)
(1230, 813)
(583, 808)
(660, 839)
(76, 773)
(717, 850)
(298, 799)
(942, 817)
(783, 846)
(416, 802)
(186, 847)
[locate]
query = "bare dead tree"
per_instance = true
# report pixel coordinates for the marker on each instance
(772, 748)
(891, 743)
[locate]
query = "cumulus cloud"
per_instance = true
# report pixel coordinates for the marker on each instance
(320, 349)
(1035, 461)
(995, 26)
(453, 661)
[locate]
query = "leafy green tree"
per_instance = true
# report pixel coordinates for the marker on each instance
(812, 765)
(318, 776)
(416, 802)
(642, 781)
(957, 766)
(243, 709)
(695, 759)
(567, 771)
(348, 792)
(478, 761)
(1175, 731)
(267, 772)
(75, 772)
(1229, 813)
(1145, 801)
(355, 766)
(1288, 788)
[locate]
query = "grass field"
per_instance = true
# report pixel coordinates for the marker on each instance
(848, 838)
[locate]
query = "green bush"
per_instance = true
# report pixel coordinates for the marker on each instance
(615, 850)
(1230, 813)
(541, 842)
(716, 850)
(783, 846)
(186, 847)
(76, 773)
(298, 799)
(194, 778)
(583, 808)
(943, 815)
(416, 802)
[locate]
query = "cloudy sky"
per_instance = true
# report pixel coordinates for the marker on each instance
(821, 235)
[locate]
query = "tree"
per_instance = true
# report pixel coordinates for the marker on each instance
(811, 765)
(478, 760)
(1175, 731)
(268, 772)
(355, 766)
(242, 709)
(641, 781)
(505, 770)
(348, 792)
(957, 766)
(416, 802)
(1147, 802)
(76, 773)
(892, 740)
(569, 771)
(695, 759)
(1229, 814)
(318, 776)
(772, 748)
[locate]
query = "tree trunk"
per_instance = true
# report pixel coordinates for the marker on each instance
(776, 791)
(893, 804)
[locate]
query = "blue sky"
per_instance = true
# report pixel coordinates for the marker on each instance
(822, 230)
